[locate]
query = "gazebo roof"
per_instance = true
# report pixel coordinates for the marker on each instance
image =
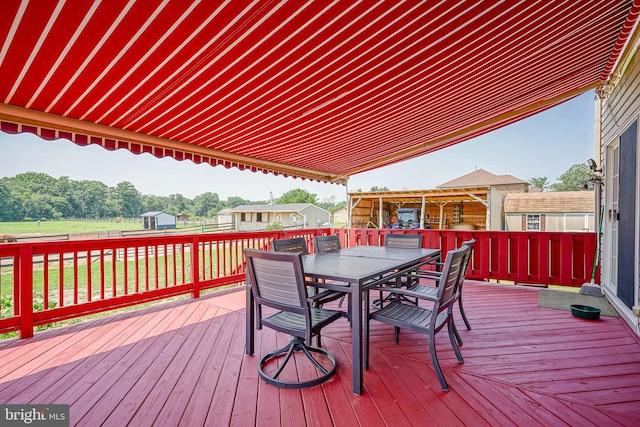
(321, 90)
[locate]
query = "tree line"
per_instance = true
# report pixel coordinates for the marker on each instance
(33, 195)
(578, 177)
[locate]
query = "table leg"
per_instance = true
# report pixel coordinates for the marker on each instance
(250, 319)
(356, 336)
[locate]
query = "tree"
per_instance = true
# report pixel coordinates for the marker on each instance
(235, 201)
(376, 188)
(10, 205)
(540, 182)
(177, 203)
(152, 203)
(574, 179)
(206, 204)
(37, 206)
(296, 195)
(129, 199)
(88, 199)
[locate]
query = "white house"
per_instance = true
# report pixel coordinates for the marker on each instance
(293, 215)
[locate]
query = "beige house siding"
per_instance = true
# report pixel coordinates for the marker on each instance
(341, 216)
(259, 217)
(554, 211)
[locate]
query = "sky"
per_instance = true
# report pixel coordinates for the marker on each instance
(546, 144)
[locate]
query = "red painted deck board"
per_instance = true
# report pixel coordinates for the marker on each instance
(183, 363)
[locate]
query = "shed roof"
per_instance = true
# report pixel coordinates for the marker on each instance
(481, 177)
(321, 90)
(550, 202)
(153, 213)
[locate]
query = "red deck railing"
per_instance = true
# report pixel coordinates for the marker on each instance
(46, 282)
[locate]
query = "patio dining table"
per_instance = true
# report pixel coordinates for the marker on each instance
(353, 270)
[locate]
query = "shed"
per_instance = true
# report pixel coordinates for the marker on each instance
(550, 211)
(158, 221)
(449, 208)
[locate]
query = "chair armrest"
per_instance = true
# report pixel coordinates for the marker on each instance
(425, 275)
(325, 296)
(413, 292)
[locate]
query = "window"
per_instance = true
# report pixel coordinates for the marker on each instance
(245, 216)
(533, 222)
(260, 217)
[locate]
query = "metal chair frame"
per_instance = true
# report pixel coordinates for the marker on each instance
(277, 281)
(428, 321)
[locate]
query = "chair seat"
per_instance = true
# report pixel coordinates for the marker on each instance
(424, 291)
(407, 316)
(296, 322)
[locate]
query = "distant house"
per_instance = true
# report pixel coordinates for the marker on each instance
(182, 217)
(505, 184)
(550, 211)
(340, 216)
(294, 215)
(158, 221)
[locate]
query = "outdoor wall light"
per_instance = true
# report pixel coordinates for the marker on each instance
(593, 166)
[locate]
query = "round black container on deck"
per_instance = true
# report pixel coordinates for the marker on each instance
(585, 312)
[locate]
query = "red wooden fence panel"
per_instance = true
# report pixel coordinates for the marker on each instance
(77, 278)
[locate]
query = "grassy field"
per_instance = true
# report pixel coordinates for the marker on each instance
(64, 227)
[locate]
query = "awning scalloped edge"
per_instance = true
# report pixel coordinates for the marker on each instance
(47, 126)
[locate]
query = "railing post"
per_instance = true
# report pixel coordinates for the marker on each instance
(195, 267)
(26, 291)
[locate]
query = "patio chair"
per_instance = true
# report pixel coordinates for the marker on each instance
(428, 321)
(299, 244)
(277, 281)
(470, 243)
(329, 244)
(410, 241)
(406, 241)
(294, 244)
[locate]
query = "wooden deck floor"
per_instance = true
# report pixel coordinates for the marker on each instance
(183, 363)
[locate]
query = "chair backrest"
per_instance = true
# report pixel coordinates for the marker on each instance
(451, 272)
(277, 280)
(467, 261)
(327, 243)
(294, 244)
(409, 241)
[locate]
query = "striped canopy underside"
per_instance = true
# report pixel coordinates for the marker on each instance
(312, 89)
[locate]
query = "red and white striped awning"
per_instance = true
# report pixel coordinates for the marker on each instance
(315, 89)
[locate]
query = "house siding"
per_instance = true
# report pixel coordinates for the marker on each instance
(616, 113)
(259, 217)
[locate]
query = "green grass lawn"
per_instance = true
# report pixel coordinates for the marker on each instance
(64, 227)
